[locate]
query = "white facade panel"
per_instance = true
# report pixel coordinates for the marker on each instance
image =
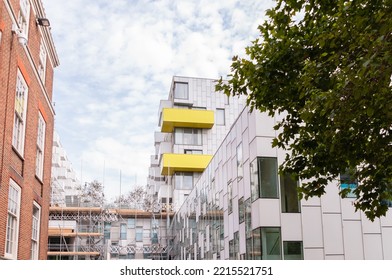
(369, 226)
(330, 201)
(373, 246)
(387, 242)
(314, 254)
(312, 227)
(265, 213)
(353, 240)
(348, 210)
(291, 226)
(333, 234)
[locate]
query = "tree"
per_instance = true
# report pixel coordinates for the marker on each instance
(93, 194)
(138, 198)
(325, 66)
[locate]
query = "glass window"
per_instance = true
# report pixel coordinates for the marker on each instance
(12, 233)
(220, 116)
(106, 230)
(248, 218)
(292, 250)
(266, 243)
(123, 231)
(193, 152)
(39, 161)
(131, 223)
(42, 61)
(188, 136)
(264, 178)
(181, 90)
(139, 234)
(241, 210)
(289, 194)
(24, 16)
(183, 180)
(35, 231)
(240, 162)
(20, 114)
(230, 197)
(347, 181)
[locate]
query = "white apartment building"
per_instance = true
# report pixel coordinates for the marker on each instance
(240, 208)
(192, 123)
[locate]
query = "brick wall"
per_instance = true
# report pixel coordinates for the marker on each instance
(22, 169)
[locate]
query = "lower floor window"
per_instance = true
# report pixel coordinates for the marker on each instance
(292, 250)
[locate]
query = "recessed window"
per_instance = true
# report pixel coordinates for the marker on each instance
(18, 138)
(123, 231)
(193, 152)
(183, 180)
(139, 234)
(181, 90)
(131, 223)
(35, 231)
(266, 243)
(289, 194)
(241, 210)
(220, 116)
(230, 197)
(39, 161)
(264, 178)
(240, 162)
(24, 17)
(188, 136)
(12, 233)
(42, 61)
(292, 250)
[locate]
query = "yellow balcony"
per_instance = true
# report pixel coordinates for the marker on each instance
(173, 117)
(184, 163)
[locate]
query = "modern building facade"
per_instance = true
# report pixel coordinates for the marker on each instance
(241, 208)
(192, 123)
(27, 60)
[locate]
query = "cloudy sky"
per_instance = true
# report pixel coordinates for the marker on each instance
(117, 59)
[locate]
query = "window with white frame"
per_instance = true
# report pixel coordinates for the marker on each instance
(24, 16)
(12, 233)
(181, 90)
(183, 180)
(240, 162)
(188, 136)
(35, 231)
(39, 162)
(18, 138)
(220, 116)
(42, 61)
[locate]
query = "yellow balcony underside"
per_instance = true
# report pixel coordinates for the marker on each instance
(184, 163)
(173, 117)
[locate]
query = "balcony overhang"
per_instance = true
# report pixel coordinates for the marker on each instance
(174, 117)
(183, 163)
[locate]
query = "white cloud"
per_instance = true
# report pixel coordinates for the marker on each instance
(117, 59)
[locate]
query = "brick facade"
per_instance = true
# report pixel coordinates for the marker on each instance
(22, 168)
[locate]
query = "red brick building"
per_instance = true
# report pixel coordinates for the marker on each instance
(27, 60)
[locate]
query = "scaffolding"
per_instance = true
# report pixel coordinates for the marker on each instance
(96, 233)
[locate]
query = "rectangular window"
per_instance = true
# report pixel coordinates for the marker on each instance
(39, 161)
(42, 61)
(240, 162)
(188, 136)
(266, 243)
(292, 250)
(347, 181)
(289, 194)
(181, 90)
(230, 197)
(131, 223)
(248, 218)
(12, 232)
(241, 210)
(20, 114)
(106, 230)
(35, 231)
(123, 231)
(183, 180)
(193, 152)
(139, 234)
(264, 178)
(24, 16)
(220, 117)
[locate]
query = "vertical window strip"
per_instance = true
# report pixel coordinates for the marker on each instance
(20, 113)
(40, 146)
(13, 220)
(35, 232)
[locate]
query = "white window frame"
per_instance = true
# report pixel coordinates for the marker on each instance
(181, 90)
(39, 163)
(188, 136)
(35, 231)
(42, 61)
(220, 116)
(24, 17)
(21, 97)
(13, 220)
